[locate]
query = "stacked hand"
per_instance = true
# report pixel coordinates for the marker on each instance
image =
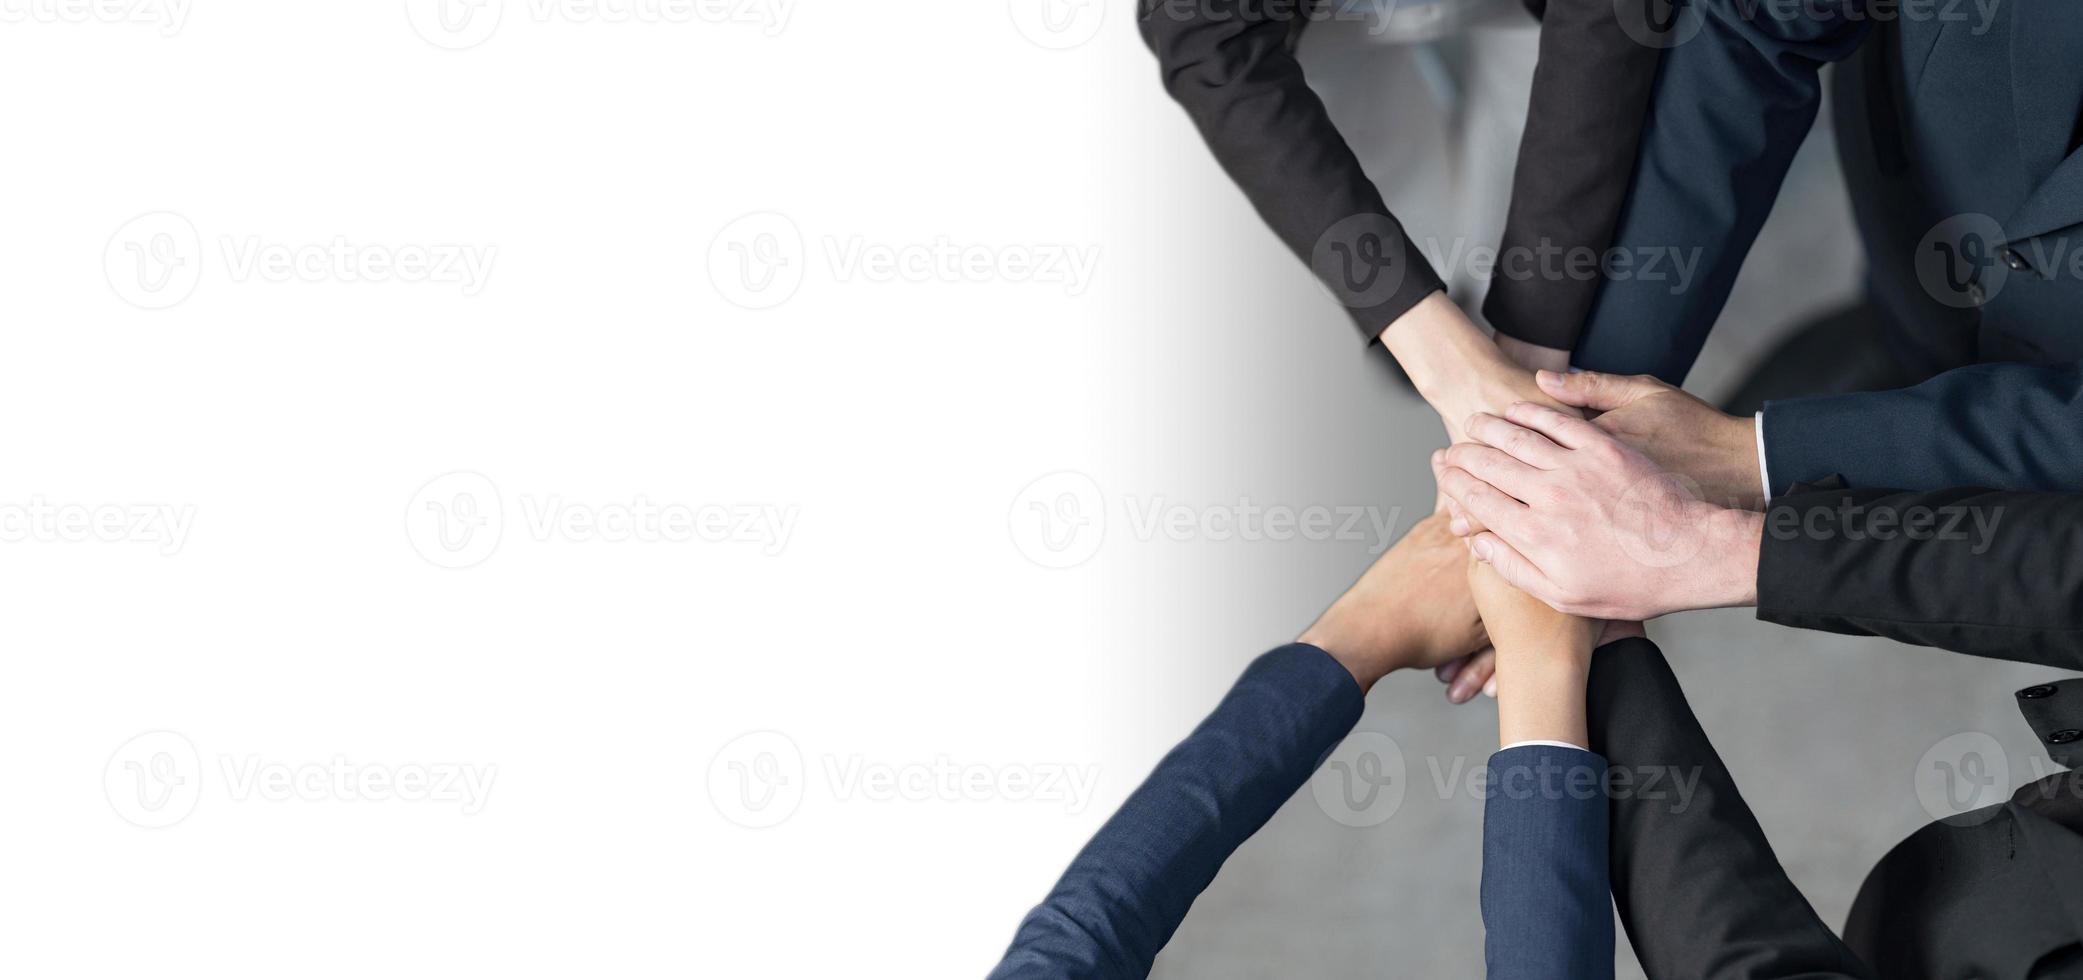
(1411, 609)
(1460, 371)
(1643, 510)
(1570, 514)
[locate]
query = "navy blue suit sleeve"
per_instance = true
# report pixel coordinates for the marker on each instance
(1731, 106)
(1128, 890)
(1547, 911)
(2001, 426)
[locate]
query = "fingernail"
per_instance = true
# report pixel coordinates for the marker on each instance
(1490, 688)
(1448, 671)
(1470, 424)
(1458, 527)
(1482, 548)
(1545, 376)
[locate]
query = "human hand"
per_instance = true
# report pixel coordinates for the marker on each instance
(1543, 661)
(1411, 609)
(1680, 433)
(1523, 629)
(1568, 513)
(1459, 370)
(1477, 672)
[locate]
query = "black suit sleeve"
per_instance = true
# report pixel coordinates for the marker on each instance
(1227, 63)
(1590, 92)
(1984, 572)
(1698, 888)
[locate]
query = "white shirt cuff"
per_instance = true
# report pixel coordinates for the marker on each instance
(1764, 475)
(1543, 741)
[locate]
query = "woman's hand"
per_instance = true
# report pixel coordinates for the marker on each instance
(1411, 609)
(1543, 660)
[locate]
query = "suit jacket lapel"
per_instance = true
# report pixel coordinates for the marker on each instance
(2046, 94)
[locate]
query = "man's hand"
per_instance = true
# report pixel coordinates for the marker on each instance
(1573, 516)
(1411, 609)
(1680, 433)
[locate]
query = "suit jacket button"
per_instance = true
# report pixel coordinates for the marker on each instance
(2064, 736)
(2036, 692)
(2011, 258)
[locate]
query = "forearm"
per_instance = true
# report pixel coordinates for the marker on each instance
(1989, 573)
(1441, 349)
(1540, 695)
(1591, 89)
(1730, 109)
(1695, 880)
(1545, 900)
(2003, 426)
(1226, 62)
(1127, 891)
(1722, 569)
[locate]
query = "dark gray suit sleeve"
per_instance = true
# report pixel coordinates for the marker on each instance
(1227, 63)
(1731, 106)
(2007, 426)
(1547, 908)
(1127, 891)
(1989, 573)
(1698, 888)
(1590, 91)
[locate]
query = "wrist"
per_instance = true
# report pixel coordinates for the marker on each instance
(1741, 474)
(1354, 652)
(1531, 356)
(1541, 699)
(1436, 343)
(1731, 557)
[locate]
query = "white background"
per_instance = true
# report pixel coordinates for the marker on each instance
(360, 455)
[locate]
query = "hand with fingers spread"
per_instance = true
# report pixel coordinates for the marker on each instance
(1574, 517)
(1718, 452)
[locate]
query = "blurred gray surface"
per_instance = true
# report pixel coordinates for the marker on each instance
(1249, 381)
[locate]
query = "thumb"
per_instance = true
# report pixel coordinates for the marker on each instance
(1593, 390)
